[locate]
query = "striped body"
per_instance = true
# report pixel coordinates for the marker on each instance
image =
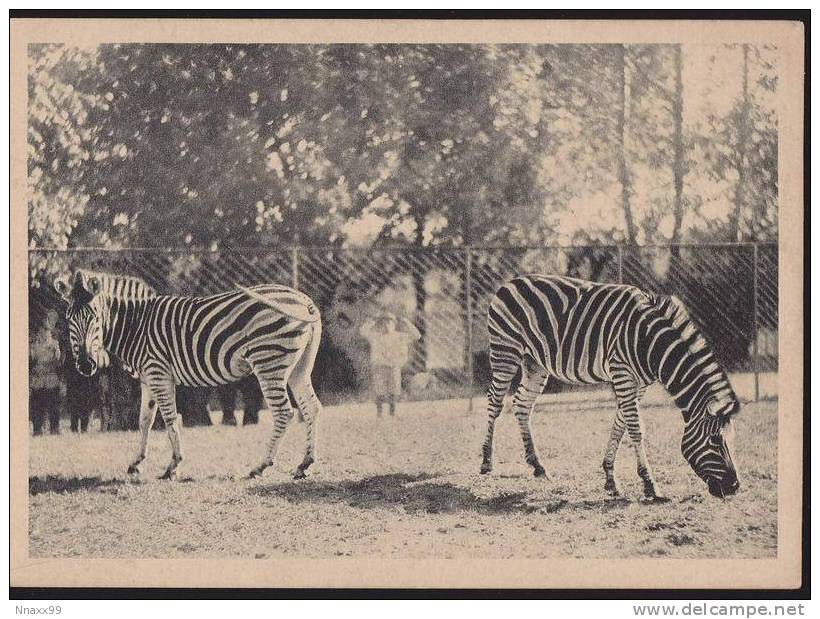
(581, 332)
(202, 341)
(269, 330)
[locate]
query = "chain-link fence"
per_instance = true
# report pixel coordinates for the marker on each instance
(730, 291)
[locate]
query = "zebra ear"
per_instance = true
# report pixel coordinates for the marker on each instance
(62, 287)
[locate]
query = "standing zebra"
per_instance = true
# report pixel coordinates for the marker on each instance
(270, 331)
(583, 332)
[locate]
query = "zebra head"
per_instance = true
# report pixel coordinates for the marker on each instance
(701, 389)
(85, 321)
(708, 444)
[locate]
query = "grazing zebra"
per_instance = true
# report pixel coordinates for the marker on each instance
(583, 332)
(270, 331)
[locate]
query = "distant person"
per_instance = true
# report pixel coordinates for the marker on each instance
(82, 397)
(389, 352)
(46, 389)
(82, 393)
(252, 401)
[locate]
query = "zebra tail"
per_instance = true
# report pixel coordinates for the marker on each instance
(292, 303)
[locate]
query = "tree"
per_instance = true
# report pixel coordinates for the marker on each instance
(678, 163)
(739, 147)
(63, 105)
(430, 148)
(621, 132)
(213, 147)
(743, 130)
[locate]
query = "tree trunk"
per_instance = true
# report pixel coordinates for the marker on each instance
(678, 163)
(466, 292)
(621, 134)
(465, 301)
(419, 273)
(743, 130)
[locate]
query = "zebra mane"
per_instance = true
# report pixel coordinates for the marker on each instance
(122, 287)
(673, 309)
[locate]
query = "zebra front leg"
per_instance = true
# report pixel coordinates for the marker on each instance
(628, 394)
(644, 471)
(532, 384)
(627, 405)
(164, 391)
(148, 411)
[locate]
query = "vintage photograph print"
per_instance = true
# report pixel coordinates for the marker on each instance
(407, 303)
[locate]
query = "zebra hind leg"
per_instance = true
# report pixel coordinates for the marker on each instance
(273, 382)
(309, 407)
(163, 389)
(532, 384)
(618, 428)
(503, 368)
(307, 403)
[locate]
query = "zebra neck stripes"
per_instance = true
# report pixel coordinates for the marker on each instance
(673, 351)
(124, 323)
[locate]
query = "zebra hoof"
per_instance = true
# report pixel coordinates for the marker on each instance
(539, 471)
(486, 468)
(299, 474)
(134, 469)
(611, 489)
(655, 499)
(254, 473)
(168, 475)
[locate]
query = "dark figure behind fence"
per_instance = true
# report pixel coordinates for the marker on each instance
(46, 389)
(251, 400)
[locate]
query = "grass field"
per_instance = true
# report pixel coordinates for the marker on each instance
(403, 488)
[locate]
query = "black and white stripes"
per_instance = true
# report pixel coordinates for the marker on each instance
(583, 332)
(268, 330)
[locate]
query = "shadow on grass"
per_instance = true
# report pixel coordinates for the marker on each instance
(57, 483)
(412, 492)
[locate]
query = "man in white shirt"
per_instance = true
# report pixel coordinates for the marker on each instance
(389, 352)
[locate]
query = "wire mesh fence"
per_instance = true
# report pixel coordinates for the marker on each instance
(730, 291)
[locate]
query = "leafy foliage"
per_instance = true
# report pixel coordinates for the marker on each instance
(218, 146)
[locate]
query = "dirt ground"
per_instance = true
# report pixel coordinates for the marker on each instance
(405, 487)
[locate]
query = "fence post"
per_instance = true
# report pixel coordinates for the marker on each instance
(295, 268)
(620, 264)
(469, 287)
(755, 335)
